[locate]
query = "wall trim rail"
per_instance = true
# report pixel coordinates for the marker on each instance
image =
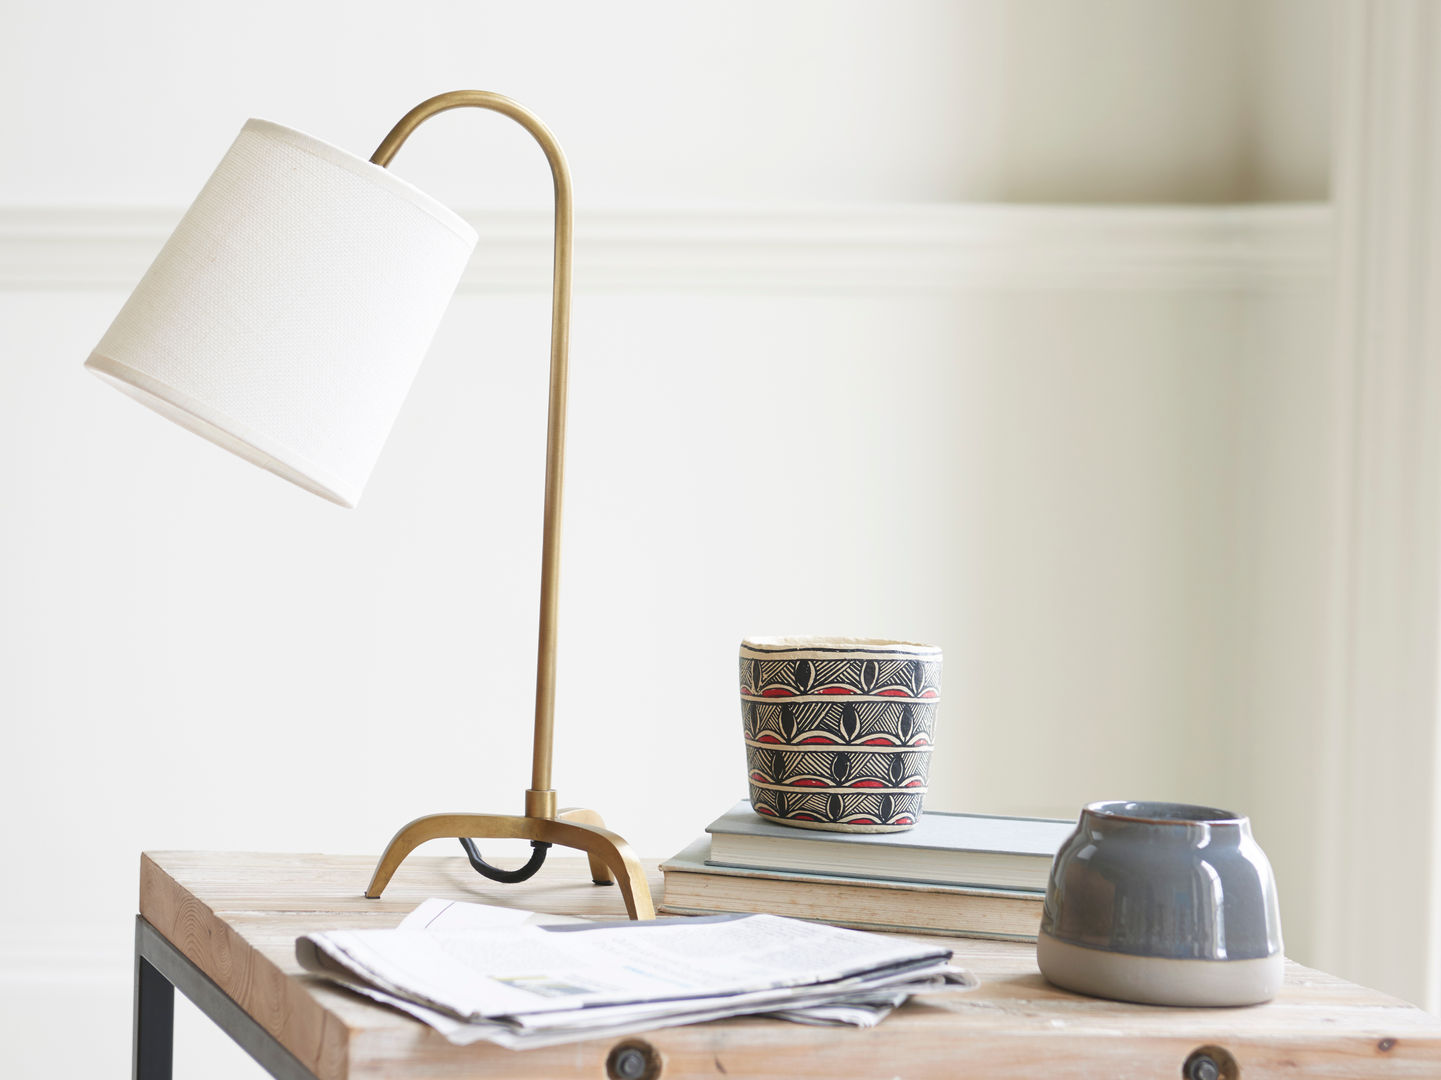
(885, 248)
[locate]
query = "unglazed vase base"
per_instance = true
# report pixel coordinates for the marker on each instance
(1159, 980)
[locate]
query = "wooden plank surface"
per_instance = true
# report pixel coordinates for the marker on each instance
(237, 916)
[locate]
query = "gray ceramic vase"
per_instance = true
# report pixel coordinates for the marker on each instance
(1162, 903)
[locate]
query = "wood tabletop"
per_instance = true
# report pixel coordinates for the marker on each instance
(236, 916)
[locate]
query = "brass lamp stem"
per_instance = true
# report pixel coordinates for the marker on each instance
(610, 857)
(555, 429)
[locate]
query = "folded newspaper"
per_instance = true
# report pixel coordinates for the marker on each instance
(475, 972)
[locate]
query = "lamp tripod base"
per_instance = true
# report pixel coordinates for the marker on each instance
(611, 859)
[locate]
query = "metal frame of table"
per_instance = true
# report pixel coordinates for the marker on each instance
(160, 970)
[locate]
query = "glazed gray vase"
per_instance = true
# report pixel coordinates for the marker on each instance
(1162, 903)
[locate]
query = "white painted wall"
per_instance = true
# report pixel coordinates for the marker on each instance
(1384, 748)
(1091, 455)
(684, 105)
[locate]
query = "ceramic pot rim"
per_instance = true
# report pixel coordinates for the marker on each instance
(1146, 812)
(838, 644)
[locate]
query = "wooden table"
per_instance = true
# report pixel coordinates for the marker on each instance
(222, 927)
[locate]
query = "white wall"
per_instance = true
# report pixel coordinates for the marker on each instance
(1086, 451)
(1384, 757)
(684, 105)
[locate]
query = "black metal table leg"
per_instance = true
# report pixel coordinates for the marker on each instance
(153, 1047)
(161, 969)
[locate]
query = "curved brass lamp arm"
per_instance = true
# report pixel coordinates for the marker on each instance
(540, 800)
(611, 859)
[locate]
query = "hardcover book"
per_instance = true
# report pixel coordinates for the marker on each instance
(693, 886)
(978, 850)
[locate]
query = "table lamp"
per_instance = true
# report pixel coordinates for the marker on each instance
(285, 319)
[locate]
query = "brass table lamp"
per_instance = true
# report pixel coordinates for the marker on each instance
(285, 319)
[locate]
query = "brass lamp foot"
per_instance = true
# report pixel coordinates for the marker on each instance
(611, 858)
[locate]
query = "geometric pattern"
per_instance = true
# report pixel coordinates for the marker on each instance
(831, 769)
(887, 722)
(838, 737)
(908, 678)
(818, 809)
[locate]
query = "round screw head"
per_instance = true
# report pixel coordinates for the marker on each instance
(630, 1065)
(1211, 1062)
(633, 1060)
(1202, 1067)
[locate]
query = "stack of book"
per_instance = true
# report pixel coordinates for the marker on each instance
(974, 875)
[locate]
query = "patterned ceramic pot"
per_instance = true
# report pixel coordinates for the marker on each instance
(839, 731)
(1162, 903)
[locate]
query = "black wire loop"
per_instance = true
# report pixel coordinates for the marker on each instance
(507, 877)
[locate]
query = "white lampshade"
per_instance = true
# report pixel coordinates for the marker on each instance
(287, 315)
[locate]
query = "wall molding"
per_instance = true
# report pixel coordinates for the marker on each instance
(887, 249)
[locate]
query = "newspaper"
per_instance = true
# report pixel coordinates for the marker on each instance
(475, 972)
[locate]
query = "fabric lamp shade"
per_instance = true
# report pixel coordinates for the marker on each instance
(288, 313)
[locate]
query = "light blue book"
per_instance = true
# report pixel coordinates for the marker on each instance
(980, 850)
